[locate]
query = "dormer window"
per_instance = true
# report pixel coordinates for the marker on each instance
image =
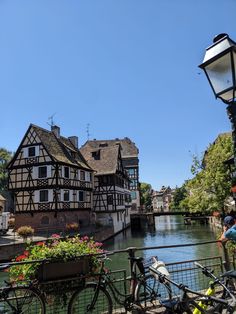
(96, 155)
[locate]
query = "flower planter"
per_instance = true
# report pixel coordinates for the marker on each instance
(60, 270)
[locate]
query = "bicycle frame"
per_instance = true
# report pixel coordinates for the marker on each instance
(185, 299)
(104, 280)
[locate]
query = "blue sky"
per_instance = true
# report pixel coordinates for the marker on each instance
(126, 67)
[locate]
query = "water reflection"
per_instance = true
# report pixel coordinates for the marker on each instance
(169, 230)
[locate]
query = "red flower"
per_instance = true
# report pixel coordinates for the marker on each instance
(20, 258)
(26, 253)
(40, 243)
(21, 277)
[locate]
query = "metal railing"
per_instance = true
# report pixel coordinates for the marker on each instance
(182, 271)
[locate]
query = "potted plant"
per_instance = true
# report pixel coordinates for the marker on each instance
(25, 232)
(61, 258)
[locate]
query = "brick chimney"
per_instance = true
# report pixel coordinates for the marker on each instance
(56, 130)
(74, 140)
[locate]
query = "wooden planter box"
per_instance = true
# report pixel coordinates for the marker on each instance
(60, 270)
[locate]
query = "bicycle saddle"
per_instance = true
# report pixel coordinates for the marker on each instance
(230, 274)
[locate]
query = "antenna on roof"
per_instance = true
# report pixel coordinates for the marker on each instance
(51, 123)
(87, 131)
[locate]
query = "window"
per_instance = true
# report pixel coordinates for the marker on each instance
(66, 196)
(133, 195)
(43, 196)
(31, 152)
(131, 172)
(42, 172)
(82, 175)
(66, 172)
(81, 196)
(110, 199)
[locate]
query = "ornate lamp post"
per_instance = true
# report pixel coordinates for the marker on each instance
(219, 65)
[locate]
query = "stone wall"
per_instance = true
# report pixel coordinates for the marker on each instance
(52, 220)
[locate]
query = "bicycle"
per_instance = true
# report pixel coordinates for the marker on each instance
(95, 297)
(193, 301)
(20, 299)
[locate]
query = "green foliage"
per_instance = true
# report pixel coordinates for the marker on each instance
(55, 250)
(146, 190)
(210, 187)
(179, 195)
(5, 157)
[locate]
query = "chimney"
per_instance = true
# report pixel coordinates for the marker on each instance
(56, 130)
(74, 140)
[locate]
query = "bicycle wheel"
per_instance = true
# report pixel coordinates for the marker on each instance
(150, 291)
(81, 301)
(20, 300)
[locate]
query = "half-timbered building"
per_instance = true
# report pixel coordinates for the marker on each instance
(51, 181)
(130, 160)
(111, 195)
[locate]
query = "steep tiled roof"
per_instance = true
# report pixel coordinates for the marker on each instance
(60, 149)
(128, 148)
(107, 161)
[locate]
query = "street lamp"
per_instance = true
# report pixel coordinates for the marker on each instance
(219, 65)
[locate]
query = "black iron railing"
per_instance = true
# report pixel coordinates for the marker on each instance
(183, 271)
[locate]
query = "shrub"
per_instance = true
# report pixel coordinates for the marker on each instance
(55, 250)
(25, 231)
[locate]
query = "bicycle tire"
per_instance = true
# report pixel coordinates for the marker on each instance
(148, 292)
(21, 300)
(83, 297)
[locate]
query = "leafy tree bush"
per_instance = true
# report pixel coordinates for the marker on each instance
(211, 185)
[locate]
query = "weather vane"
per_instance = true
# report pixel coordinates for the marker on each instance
(51, 123)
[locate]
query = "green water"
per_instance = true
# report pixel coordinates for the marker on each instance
(169, 230)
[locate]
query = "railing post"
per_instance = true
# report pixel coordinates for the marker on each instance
(226, 256)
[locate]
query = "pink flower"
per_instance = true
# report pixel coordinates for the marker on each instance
(55, 236)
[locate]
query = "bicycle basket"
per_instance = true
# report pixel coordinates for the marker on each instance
(160, 267)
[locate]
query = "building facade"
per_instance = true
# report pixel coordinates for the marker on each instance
(130, 161)
(161, 199)
(111, 195)
(51, 182)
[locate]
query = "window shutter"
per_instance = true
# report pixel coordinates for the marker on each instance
(49, 171)
(50, 195)
(35, 173)
(36, 196)
(37, 150)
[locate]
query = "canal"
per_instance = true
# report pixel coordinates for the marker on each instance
(169, 230)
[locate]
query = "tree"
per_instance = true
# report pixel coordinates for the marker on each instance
(5, 157)
(210, 187)
(146, 190)
(179, 195)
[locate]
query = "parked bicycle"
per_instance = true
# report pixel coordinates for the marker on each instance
(24, 299)
(190, 301)
(98, 297)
